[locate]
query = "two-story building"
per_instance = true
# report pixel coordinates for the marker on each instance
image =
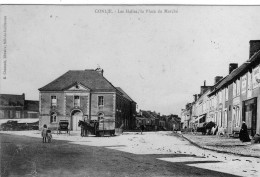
(17, 107)
(238, 95)
(85, 95)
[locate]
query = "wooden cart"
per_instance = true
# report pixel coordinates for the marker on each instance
(63, 126)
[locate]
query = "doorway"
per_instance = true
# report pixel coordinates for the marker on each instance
(76, 115)
(249, 115)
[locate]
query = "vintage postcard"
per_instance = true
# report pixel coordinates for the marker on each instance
(129, 90)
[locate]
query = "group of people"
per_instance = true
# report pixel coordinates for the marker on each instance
(243, 134)
(46, 134)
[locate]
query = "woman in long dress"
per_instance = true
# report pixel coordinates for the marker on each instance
(243, 134)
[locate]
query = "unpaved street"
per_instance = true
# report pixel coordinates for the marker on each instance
(130, 154)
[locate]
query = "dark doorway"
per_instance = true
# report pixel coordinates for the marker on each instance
(249, 115)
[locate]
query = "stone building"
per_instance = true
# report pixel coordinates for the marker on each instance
(85, 95)
(17, 107)
(234, 98)
(242, 94)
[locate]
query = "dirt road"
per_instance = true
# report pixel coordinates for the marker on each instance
(28, 156)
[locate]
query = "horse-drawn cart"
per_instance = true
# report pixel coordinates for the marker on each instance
(63, 126)
(106, 127)
(98, 128)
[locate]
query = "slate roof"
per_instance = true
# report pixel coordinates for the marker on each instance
(11, 100)
(124, 94)
(236, 73)
(88, 78)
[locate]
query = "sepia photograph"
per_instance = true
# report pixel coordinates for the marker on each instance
(129, 90)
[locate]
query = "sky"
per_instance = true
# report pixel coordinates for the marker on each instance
(160, 56)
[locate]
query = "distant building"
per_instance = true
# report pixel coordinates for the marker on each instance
(232, 99)
(238, 95)
(186, 115)
(85, 95)
(173, 122)
(16, 107)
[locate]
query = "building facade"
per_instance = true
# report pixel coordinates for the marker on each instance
(17, 107)
(236, 97)
(85, 95)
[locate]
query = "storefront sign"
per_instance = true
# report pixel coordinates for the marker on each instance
(244, 79)
(255, 76)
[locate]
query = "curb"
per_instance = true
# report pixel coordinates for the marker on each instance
(206, 148)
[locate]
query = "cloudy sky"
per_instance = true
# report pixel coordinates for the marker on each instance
(160, 59)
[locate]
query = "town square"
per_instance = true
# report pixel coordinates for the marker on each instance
(129, 90)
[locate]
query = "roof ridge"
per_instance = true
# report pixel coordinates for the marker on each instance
(88, 78)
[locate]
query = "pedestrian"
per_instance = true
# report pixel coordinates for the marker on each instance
(142, 128)
(49, 135)
(243, 134)
(173, 128)
(44, 133)
(122, 127)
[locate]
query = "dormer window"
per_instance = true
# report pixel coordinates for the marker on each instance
(76, 101)
(53, 101)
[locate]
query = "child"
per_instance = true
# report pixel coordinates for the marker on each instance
(44, 133)
(49, 136)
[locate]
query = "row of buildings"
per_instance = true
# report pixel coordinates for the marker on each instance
(17, 107)
(76, 95)
(83, 95)
(231, 100)
(154, 121)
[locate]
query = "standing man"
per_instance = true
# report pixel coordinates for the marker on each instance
(142, 128)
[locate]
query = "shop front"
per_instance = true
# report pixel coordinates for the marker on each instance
(250, 115)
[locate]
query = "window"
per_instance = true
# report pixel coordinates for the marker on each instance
(53, 117)
(53, 101)
(234, 89)
(100, 101)
(220, 96)
(2, 114)
(18, 114)
(238, 87)
(76, 101)
(225, 120)
(237, 117)
(220, 119)
(226, 95)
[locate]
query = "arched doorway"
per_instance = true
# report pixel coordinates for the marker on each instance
(76, 115)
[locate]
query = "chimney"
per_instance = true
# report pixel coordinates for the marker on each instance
(232, 66)
(203, 88)
(217, 79)
(254, 46)
(100, 71)
(195, 97)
